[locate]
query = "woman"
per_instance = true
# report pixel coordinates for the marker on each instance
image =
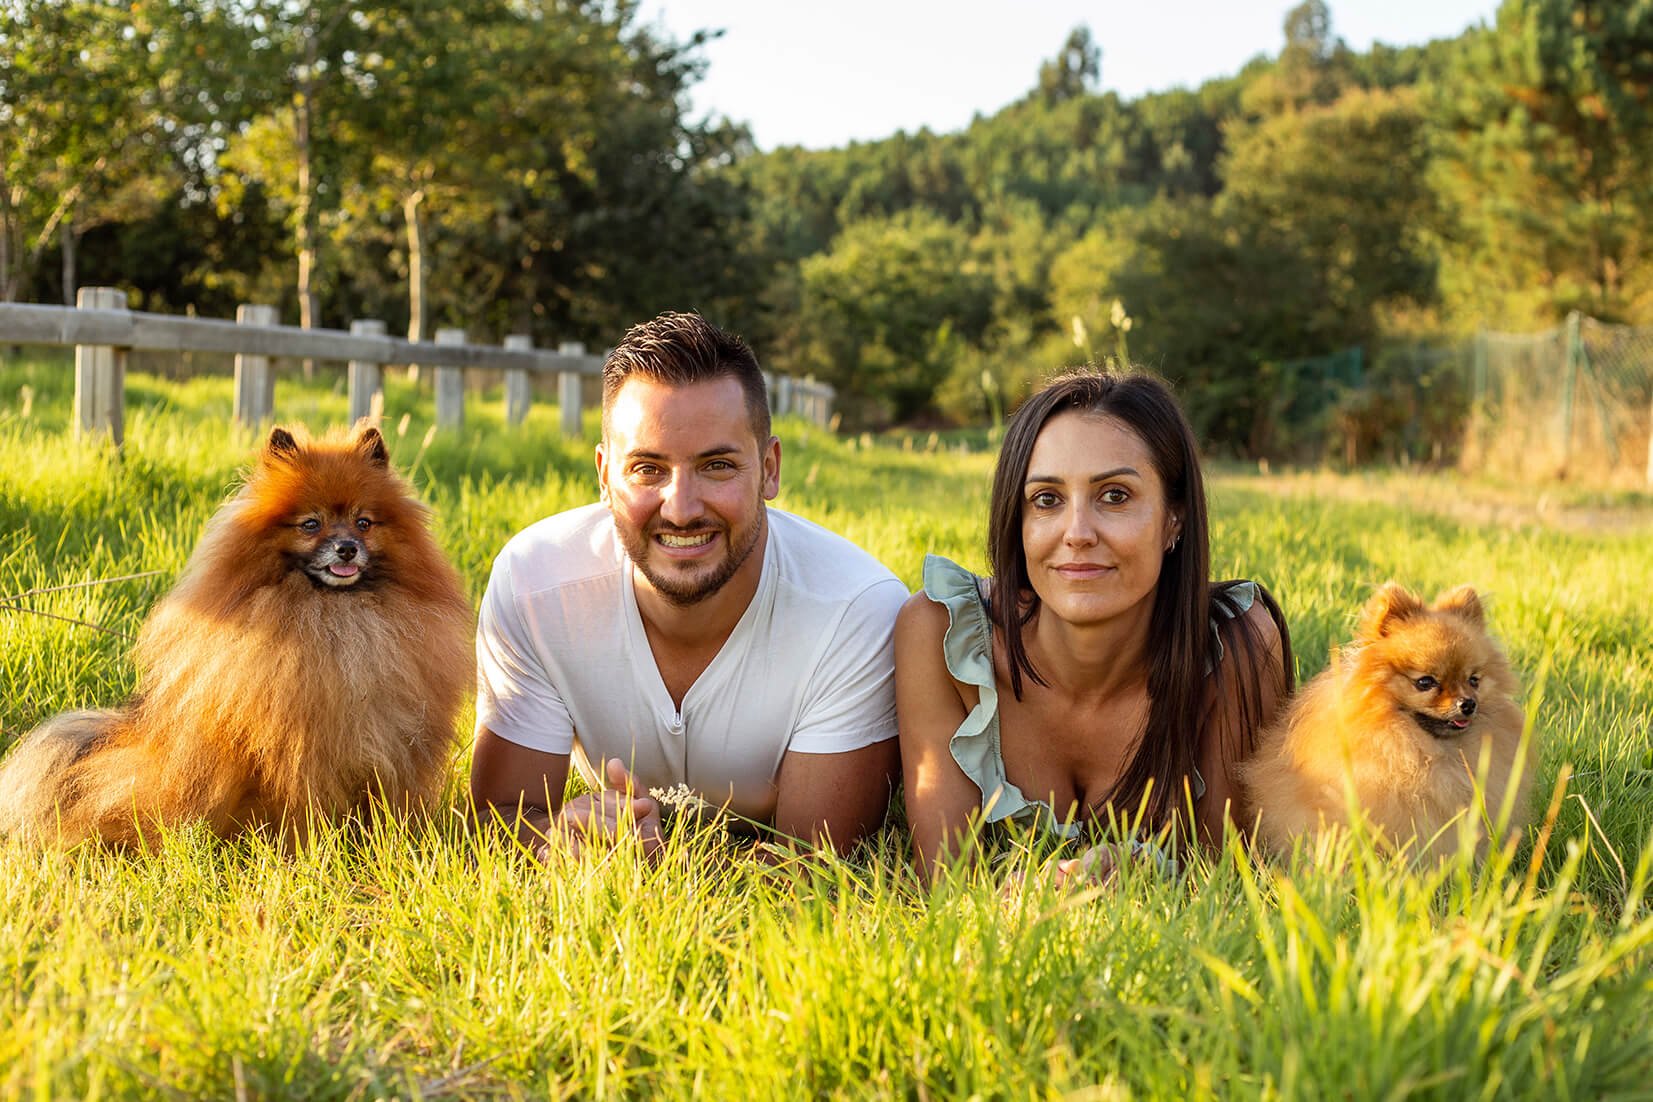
(1098, 673)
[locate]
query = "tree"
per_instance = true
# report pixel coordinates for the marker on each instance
(884, 310)
(79, 136)
(1545, 127)
(1344, 189)
(1074, 71)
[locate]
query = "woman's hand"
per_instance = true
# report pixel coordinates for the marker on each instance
(1096, 865)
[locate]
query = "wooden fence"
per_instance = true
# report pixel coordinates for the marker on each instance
(102, 330)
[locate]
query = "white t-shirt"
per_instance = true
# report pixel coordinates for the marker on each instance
(563, 664)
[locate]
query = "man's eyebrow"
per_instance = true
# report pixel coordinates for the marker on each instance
(1102, 477)
(710, 453)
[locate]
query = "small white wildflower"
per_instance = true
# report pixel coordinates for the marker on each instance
(679, 797)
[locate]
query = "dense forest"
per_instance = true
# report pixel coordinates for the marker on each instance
(531, 166)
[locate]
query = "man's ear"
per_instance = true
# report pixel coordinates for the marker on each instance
(602, 473)
(771, 455)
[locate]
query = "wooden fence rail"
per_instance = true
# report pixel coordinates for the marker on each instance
(102, 331)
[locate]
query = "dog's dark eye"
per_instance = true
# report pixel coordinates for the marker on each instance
(310, 524)
(1426, 683)
(363, 524)
(1475, 681)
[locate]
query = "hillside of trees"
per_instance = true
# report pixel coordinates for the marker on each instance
(531, 166)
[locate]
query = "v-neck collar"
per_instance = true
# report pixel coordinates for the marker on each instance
(637, 636)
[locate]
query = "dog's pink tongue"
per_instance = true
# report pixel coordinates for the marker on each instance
(343, 570)
(1460, 723)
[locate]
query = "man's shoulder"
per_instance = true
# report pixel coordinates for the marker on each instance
(573, 546)
(827, 566)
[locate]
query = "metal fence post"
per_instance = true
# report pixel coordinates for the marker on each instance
(570, 390)
(254, 375)
(450, 385)
(519, 391)
(100, 373)
(1569, 384)
(366, 376)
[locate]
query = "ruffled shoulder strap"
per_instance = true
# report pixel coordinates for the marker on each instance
(968, 649)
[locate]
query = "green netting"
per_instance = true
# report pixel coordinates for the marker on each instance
(1575, 401)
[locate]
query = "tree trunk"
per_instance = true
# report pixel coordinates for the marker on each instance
(71, 241)
(307, 305)
(416, 272)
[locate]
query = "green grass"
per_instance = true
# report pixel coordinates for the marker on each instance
(421, 961)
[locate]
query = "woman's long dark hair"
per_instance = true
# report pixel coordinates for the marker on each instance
(1180, 640)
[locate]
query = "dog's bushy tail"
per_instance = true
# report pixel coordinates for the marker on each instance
(39, 800)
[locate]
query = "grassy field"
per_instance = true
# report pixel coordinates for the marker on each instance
(426, 963)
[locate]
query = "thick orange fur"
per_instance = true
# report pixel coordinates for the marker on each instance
(265, 697)
(1364, 726)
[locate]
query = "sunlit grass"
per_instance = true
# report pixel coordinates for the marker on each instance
(406, 961)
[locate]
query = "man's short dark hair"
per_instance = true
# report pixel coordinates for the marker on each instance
(679, 349)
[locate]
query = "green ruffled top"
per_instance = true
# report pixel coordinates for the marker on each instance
(968, 649)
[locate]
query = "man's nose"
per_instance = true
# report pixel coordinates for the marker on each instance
(680, 503)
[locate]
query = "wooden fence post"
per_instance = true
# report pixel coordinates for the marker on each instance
(100, 373)
(519, 391)
(450, 385)
(769, 390)
(254, 375)
(367, 398)
(570, 391)
(783, 396)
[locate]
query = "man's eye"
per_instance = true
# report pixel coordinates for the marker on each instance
(1426, 684)
(309, 524)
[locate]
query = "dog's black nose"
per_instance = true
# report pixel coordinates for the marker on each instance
(1466, 705)
(346, 550)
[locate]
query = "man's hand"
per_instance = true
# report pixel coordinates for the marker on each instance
(603, 818)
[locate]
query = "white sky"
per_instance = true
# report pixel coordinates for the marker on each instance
(823, 74)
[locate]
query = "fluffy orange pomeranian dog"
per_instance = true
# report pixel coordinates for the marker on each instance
(310, 662)
(1401, 720)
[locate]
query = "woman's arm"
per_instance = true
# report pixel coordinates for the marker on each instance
(942, 802)
(1251, 665)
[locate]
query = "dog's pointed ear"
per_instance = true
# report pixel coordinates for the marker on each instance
(1391, 604)
(372, 445)
(1465, 602)
(281, 444)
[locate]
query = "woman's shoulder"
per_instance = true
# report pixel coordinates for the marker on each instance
(948, 618)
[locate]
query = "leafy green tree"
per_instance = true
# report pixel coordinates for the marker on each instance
(1343, 188)
(81, 110)
(1074, 71)
(1545, 124)
(883, 312)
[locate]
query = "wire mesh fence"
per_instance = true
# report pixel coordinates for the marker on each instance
(1573, 402)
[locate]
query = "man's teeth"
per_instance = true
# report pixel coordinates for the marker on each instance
(686, 541)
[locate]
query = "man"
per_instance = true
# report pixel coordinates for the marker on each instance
(683, 632)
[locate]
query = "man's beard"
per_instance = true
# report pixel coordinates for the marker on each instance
(684, 592)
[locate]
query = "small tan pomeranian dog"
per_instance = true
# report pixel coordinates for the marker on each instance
(1401, 720)
(310, 662)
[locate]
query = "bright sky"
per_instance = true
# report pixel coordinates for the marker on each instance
(803, 72)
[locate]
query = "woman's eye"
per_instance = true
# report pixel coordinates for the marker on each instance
(1044, 499)
(1426, 684)
(363, 524)
(310, 524)
(1113, 495)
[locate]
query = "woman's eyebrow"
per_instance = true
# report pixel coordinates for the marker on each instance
(1102, 477)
